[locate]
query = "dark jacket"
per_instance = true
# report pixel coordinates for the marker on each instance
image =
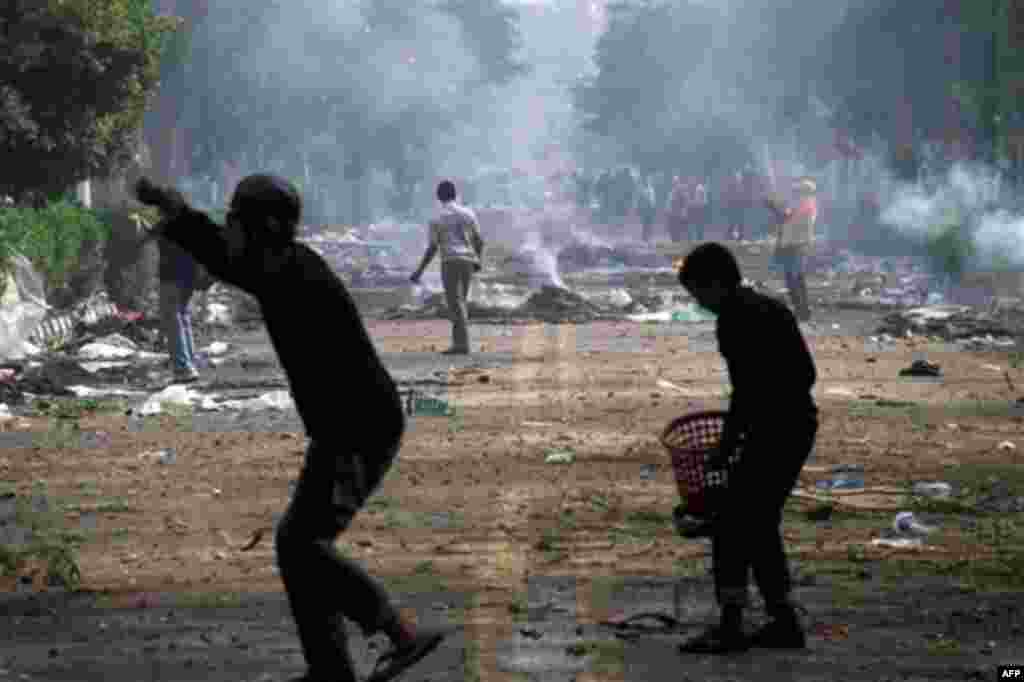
(176, 265)
(342, 391)
(770, 366)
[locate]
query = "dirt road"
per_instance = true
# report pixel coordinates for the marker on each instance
(525, 558)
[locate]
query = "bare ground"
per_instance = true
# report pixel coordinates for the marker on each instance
(474, 529)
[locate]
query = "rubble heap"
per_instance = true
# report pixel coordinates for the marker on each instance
(554, 304)
(950, 323)
(549, 304)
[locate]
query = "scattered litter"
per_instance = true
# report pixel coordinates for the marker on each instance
(537, 424)
(898, 543)
(275, 400)
(647, 472)
(216, 348)
(937, 490)
(994, 368)
(848, 468)
(105, 351)
(906, 522)
(840, 391)
(421, 405)
(560, 457)
(94, 367)
(165, 456)
(1007, 446)
(921, 368)
(172, 395)
(662, 383)
(619, 298)
(693, 313)
(831, 633)
(841, 483)
(89, 392)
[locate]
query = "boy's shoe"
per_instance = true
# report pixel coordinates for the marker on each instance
(186, 376)
(717, 641)
(690, 525)
(398, 660)
(456, 351)
(780, 634)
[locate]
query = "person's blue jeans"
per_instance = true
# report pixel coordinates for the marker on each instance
(177, 325)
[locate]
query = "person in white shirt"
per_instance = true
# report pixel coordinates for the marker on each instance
(456, 234)
(698, 212)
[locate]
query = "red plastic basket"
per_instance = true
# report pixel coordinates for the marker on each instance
(691, 441)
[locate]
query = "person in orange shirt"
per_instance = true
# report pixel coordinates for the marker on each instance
(794, 240)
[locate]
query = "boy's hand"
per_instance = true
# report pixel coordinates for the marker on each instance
(166, 199)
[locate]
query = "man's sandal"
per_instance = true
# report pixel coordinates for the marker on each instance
(398, 660)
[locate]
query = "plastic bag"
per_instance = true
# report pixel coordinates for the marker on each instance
(22, 307)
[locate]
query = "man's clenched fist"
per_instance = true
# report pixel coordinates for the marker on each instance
(166, 199)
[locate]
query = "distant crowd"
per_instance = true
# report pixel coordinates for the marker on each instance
(687, 205)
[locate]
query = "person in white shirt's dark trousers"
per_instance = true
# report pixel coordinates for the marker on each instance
(456, 234)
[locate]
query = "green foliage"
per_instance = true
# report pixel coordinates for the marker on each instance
(50, 237)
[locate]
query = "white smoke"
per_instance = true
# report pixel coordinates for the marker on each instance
(969, 192)
(542, 261)
(1000, 238)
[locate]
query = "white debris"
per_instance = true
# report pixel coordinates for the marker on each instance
(840, 391)
(5, 413)
(218, 313)
(898, 543)
(172, 395)
(89, 392)
(275, 400)
(104, 351)
(663, 316)
(93, 367)
(619, 298)
(1007, 446)
(559, 458)
(216, 348)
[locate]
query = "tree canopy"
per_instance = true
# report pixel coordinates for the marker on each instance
(75, 77)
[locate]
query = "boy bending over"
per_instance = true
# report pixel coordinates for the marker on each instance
(772, 373)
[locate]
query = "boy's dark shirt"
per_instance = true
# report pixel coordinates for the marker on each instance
(176, 265)
(770, 367)
(342, 391)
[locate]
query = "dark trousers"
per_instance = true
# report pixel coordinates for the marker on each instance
(747, 533)
(676, 228)
(323, 586)
(793, 259)
(647, 218)
(698, 221)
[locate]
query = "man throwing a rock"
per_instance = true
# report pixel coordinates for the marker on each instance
(456, 234)
(355, 435)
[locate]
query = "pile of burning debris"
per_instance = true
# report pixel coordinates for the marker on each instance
(548, 304)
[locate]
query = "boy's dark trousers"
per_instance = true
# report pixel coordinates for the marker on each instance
(322, 585)
(747, 535)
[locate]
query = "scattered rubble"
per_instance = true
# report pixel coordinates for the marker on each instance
(950, 323)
